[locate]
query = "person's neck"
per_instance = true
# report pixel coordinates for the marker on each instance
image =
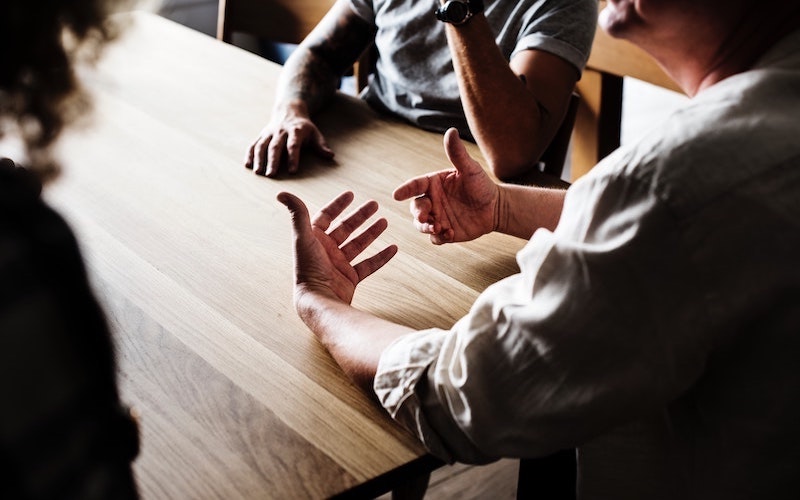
(700, 61)
(753, 37)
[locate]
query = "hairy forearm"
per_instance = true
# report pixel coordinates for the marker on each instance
(312, 73)
(504, 117)
(521, 210)
(306, 83)
(354, 338)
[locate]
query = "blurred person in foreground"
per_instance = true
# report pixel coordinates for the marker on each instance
(655, 321)
(63, 431)
(500, 71)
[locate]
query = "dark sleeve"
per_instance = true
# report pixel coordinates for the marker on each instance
(63, 431)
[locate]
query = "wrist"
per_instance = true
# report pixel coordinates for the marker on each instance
(293, 108)
(458, 12)
(500, 210)
(312, 305)
(308, 301)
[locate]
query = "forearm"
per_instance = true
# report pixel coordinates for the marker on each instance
(504, 116)
(354, 338)
(521, 210)
(306, 83)
(311, 75)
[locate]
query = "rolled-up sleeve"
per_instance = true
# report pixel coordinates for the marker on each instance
(565, 29)
(583, 338)
(364, 9)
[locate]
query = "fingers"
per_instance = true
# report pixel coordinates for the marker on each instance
(368, 266)
(302, 224)
(327, 214)
(349, 225)
(412, 187)
(274, 153)
(427, 207)
(332, 210)
(457, 155)
(259, 149)
(250, 156)
(443, 237)
(267, 154)
(353, 222)
(294, 144)
(422, 215)
(264, 155)
(321, 146)
(297, 139)
(354, 247)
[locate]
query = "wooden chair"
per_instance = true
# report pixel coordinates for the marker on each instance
(549, 170)
(282, 21)
(285, 21)
(598, 123)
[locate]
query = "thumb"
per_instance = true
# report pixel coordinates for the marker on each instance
(457, 153)
(301, 221)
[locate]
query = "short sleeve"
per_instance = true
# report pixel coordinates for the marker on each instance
(565, 29)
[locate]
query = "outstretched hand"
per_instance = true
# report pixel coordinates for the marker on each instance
(452, 205)
(323, 255)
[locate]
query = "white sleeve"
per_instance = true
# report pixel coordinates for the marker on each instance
(598, 327)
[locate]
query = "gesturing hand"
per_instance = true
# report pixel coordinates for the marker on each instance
(452, 205)
(281, 141)
(322, 258)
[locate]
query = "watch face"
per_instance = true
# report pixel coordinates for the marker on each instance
(456, 11)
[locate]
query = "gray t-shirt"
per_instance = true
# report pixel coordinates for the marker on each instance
(414, 76)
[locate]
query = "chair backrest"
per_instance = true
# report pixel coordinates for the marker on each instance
(555, 155)
(285, 21)
(599, 120)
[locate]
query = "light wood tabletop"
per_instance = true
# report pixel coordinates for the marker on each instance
(190, 254)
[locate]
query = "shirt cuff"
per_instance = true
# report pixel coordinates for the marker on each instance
(402, 367)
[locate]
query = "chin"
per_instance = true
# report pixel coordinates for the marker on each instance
(614, 19)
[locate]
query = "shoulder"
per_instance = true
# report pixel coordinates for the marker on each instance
(583, 12)
(741, 131)
(560, 27)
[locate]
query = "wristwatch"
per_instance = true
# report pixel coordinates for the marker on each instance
(458, 12)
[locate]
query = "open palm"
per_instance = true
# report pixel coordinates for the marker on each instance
(322, 258)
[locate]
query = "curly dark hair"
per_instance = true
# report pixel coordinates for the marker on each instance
(41, 40)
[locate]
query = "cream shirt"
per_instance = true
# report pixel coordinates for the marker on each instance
(657, 328)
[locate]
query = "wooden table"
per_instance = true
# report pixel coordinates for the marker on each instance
(191, 256)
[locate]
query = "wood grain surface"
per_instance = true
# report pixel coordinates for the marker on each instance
(191, 256)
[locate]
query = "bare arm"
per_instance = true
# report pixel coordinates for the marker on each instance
(309, 79)
(354, 338)
(326, 278)
(513, 119)
(311, 74)
(521, 210)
